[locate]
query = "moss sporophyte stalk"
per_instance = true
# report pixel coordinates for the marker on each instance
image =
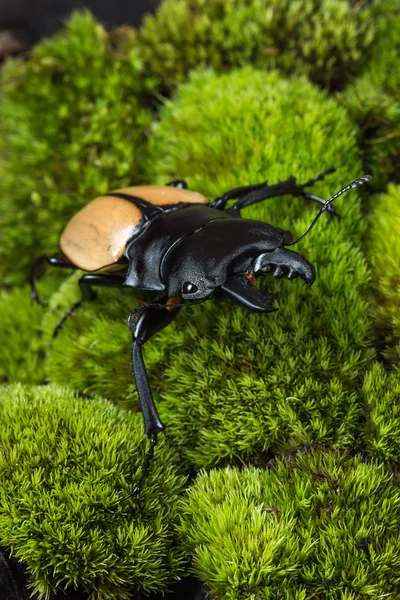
(279, 475)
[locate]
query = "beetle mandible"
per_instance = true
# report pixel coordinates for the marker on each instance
(174, 241)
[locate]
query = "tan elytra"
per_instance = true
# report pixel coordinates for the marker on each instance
(96, 237)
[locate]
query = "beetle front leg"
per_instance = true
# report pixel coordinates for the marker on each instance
(53, 260)
(151, 320)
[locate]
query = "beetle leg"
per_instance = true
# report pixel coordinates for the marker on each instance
(220, 202)
(150, 321)
(85, 283)
(178, 183)
(253, 194)
(330, 209)
(53, 260)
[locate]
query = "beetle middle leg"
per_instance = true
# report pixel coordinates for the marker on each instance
(85, 283)
(54, 260)
(178, 183)
(151, 320)
(252, 194)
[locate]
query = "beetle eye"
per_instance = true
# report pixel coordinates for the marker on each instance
(189, 288)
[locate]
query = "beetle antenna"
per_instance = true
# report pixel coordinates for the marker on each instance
(359, 181)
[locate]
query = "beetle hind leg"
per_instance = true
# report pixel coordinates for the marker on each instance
(88, 293)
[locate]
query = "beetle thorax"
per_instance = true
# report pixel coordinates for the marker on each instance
(203, 261)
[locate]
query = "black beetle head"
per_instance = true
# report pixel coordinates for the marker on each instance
(224, 257)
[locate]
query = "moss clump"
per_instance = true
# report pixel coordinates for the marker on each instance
(382, 397)
(327, 40)
(21, 346)
(383, 250)
(319, 525)
(373, 98)
(77, 103)
(65, 465)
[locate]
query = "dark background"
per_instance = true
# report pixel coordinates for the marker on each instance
(25, 22)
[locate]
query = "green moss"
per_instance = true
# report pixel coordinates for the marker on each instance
(65, 465)
(382, 397)
(77, 103)
(327, 40)
(319, 525)
(373, 98)
(383, 250)
(21, 347)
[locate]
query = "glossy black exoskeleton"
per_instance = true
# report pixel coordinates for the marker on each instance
(176, 242)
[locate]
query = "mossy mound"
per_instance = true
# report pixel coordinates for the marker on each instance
(373, 98)
(382, 398)
(65, 465)
(80, 132)
(328, 40)
(238, 384)
(383, 251)
(317, 525)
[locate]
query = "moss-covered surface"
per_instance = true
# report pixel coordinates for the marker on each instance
(308, 528)
(384, 257)
(382, 398)
(21, 344)
(372, 99)
(82, 115)
(65, 466)
(91, 352)
(327, 39)
(72, 125)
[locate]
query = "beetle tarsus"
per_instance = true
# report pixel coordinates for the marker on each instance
(178, 183)
(319, 177)
(253, 194)
(88, 293)
(135, 493)
(325, 206)
(65, 316)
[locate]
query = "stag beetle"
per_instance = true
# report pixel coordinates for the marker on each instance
(176, 242)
